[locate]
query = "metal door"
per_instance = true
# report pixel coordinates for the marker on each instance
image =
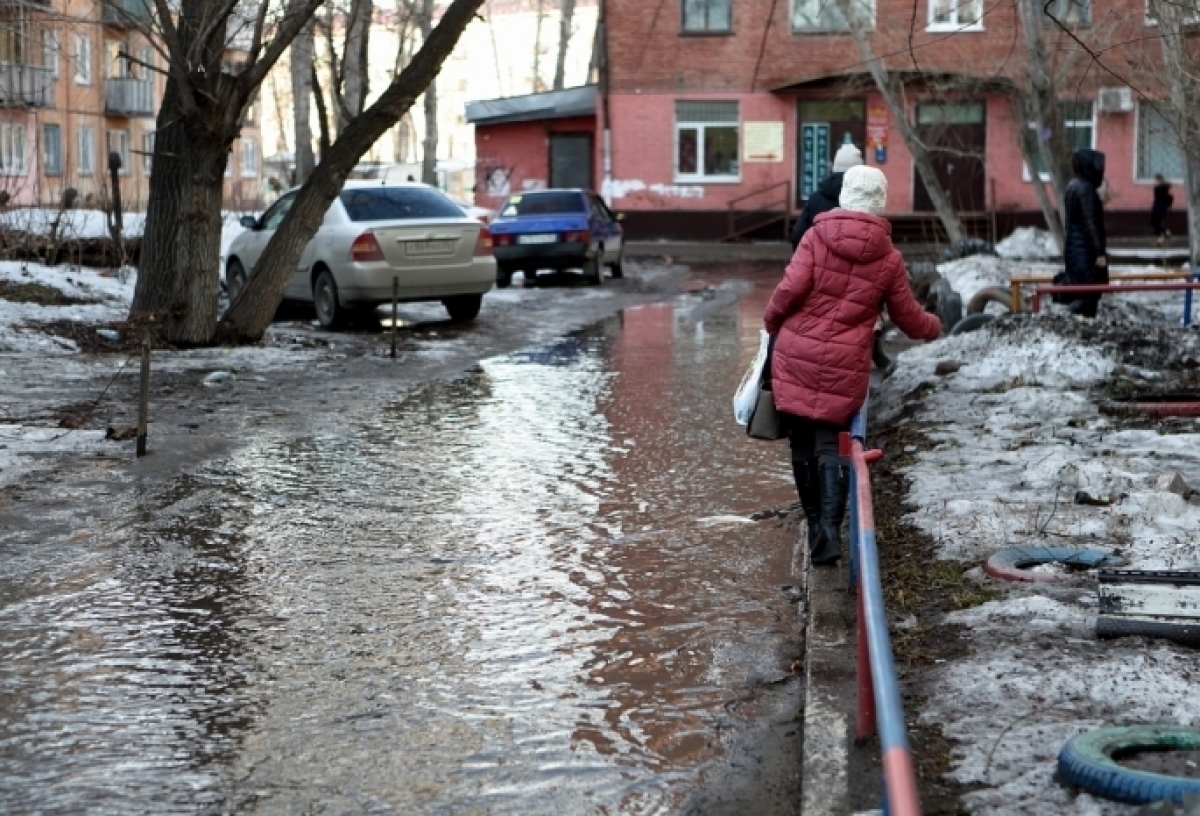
(571, 160)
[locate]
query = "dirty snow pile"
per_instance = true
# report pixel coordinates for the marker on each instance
(101, 299)
(1012, 414)
(1028, 244)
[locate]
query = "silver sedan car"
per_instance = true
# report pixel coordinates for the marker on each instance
(372, 235)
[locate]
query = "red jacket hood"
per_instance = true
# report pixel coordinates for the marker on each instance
(855, 236)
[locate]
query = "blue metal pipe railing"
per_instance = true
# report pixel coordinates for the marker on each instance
(878, 688)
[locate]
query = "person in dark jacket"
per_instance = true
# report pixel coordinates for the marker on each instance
(825, 197)
(1162, 204)
(1084, 256)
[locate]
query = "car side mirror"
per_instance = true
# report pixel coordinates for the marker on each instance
(248, 221)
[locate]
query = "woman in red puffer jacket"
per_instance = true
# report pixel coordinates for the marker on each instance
(822, 315)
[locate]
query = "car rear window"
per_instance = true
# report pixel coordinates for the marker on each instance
(397, 204)
(543, 204)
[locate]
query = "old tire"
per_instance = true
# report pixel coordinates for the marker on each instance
(966, 248)
(947, 304)
(235, 278)
(463, 308)
(618, 268)
(1013, 564)
(330, 312)
(503, 277)
(1088, 761)
(991, 294)
(971, 323)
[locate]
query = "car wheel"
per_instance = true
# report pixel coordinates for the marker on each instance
(463, 308)
(330, 313)
(593, 269)
(503, 277)
(618, 268)
(235, 278)
(530, 277)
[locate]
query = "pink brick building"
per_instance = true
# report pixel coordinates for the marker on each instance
(711, 105)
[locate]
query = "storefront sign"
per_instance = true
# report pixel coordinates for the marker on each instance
(763, 141)
(878, 123)
(814, 158)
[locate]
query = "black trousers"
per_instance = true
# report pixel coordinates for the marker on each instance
(811, 439)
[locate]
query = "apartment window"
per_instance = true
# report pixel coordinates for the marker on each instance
(118, 142)
(116, 65)
(707, 15)
(50, 51)
(12, 149)
(1068, 12)
(706, 141)
(147, 152)
(1079, 129)
(11, 42)
(83, 60)
(1158, 149)
(955, 14)
(825, 15)
(146, 58)
(52, 150)
(249, 158)
(85, 146)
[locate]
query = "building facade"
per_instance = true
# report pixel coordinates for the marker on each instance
(712, 107)
(78, 82)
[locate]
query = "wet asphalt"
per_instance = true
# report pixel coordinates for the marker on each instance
(531, 586)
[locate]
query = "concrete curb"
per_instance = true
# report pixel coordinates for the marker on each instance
(837, 777)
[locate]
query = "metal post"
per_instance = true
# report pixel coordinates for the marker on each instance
(144, 397)
(1187, 299)
(395, 306)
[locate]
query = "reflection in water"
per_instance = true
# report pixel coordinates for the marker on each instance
(496, 595)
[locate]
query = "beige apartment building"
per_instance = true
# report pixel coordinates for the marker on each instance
(78, 81)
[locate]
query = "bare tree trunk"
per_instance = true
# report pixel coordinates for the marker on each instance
(1027, 140)
(430, 146)
(250, 314)
(567, 12)
(323, 135)
(354, 63)
(1041, 104)
(302, 91)
(537, 47)
(1183, 83)
(893, 96)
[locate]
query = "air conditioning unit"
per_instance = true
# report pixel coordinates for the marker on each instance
(1115, 100)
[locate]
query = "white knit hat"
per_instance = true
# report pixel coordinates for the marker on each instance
(864, 189)
(847, 156)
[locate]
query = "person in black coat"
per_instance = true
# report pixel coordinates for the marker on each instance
(1084, 255)
(825, 197)
(1158, 210)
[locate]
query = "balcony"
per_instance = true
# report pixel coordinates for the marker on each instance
(24, 86)
(128, 97)
(125, 13)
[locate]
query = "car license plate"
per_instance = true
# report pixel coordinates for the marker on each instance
(436, 247)
(536, 239)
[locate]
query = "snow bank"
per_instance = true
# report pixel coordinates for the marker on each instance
(1028, 244)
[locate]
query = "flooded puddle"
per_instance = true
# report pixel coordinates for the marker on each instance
(531, 590)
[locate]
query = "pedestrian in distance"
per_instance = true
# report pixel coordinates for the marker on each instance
(822, 315)
(1085, 258)
(1161, 206)
(825, 197)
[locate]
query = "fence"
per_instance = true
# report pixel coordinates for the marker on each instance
(878, 689)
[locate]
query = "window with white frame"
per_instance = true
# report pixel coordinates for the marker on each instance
(826, 15)
(955, 15)
(147, 152)
(1158, 149)
(1067, 12)
(12, 148)
(144, 69)
(707, 15)
(249, 157)
(83, 60)
(118, 142)
(116, 65)
(706, 141)
(1079, 130)
(52, 150)
(50, 51)
(85, 150)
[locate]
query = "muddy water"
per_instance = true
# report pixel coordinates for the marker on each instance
(531, 590)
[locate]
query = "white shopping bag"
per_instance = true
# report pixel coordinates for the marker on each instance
(746, 395)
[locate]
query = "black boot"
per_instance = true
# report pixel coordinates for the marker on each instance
(808, 486)
(835, 482)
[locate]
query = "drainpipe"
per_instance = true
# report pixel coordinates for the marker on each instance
(606, 136)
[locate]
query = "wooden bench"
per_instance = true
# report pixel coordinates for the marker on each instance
(1030, 280)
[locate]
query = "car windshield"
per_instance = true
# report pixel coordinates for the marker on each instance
(544, 204)
(397, 204)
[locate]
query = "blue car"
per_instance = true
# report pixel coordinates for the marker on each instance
(556, 229)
